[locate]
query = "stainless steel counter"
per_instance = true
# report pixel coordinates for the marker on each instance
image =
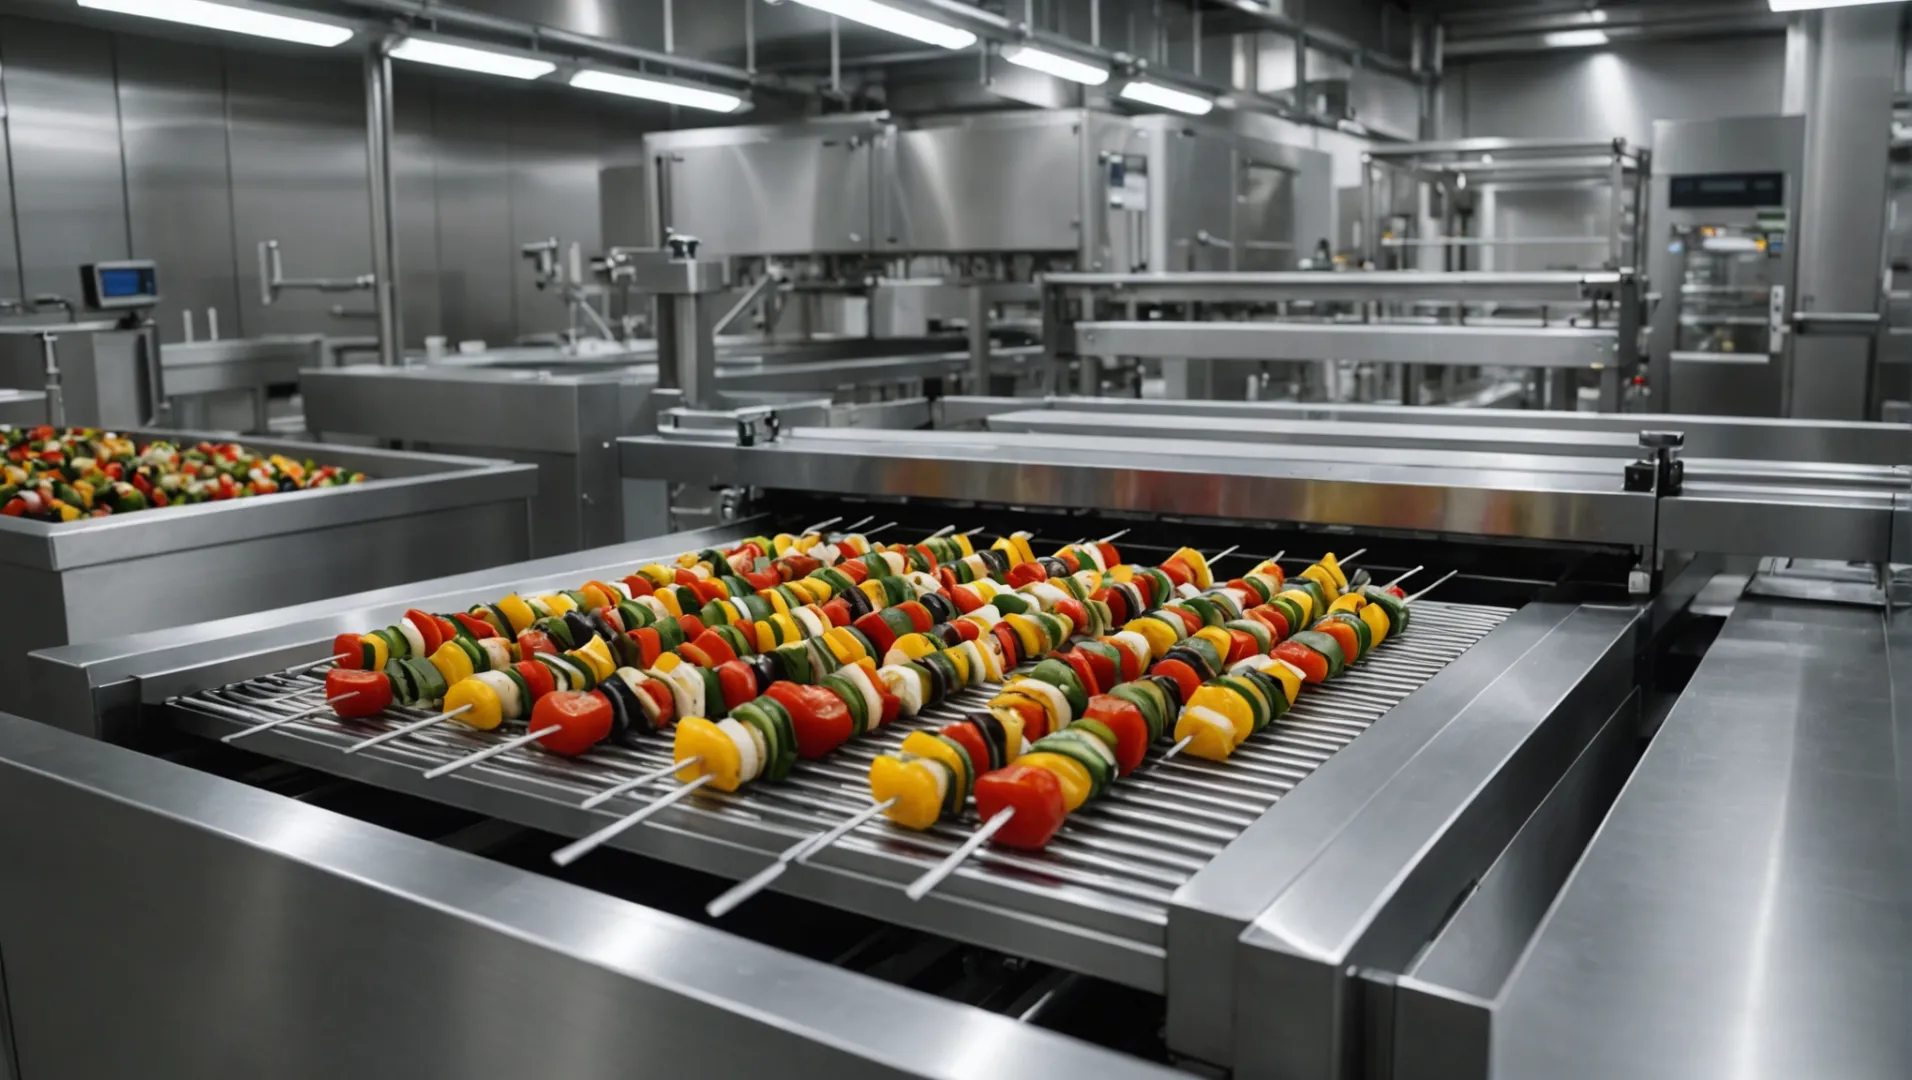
(105, 577)
(563, 419)
(22, 407)
(215, 929)
(1479, 494)
(1746, 909)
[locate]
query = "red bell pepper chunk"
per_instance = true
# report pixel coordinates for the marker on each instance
(837, 610)
(1242, 645)
(1025, 574)
(965, 735)
(583, 720)
(1185, 677)
(691, 625)
(537, 677)
(533, 642)
(712, 644)
(1110, 557)
(892, 705)
(1035, 795)
(966, 599)
(878, 631)
(855, 569)
(1270, 616)
(762, 579)
(649, 647)
(479, 628)
(821, 719)
(427, 628)
(1106, 675)
(967, 630)
(1178, 572)
(1011, 645)
(1118, 604)
(370, 692)
(639, 586)
(1072, 610)
(1313, 665)
(1084, 671)
(738, 682)
(660, 696)
(1131, 729)
(692, 654)
(920, 618)
(349, 650)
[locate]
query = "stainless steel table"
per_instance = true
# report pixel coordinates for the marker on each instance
(420, 516)
(22, 407)
(1746, 908)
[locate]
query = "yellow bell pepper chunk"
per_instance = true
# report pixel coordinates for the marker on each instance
(1303, 600)
(381, 652)
(1351, 602)
(1217, 637)
(1333, 566)
(1210, 735)
(1225, 702)
(1323, 578)
(963, 545)
(918, 804)
(518, 612)
(560, 603)
(716, 755)
(766, 638)
(452, 663)
(1158, 634)
(1204, 577)
(925, 745)
(1075, 779)
(1288, 677)
(598, 655)
(1377, 619)
(482, 709)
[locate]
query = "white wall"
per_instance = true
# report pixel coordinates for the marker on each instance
(1595, 94)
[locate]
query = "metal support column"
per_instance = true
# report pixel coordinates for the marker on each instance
(1842, 217)
(978, 339)
(378, 162)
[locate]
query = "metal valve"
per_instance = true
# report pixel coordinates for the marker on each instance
(682, 246)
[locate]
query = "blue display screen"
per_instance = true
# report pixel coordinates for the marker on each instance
(119, 284)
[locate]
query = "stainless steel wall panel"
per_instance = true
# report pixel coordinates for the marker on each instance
(477, 251)
(555, 159)
(172, 102)
(415, 202)
(1007, 183)
(1193, 199)
(784, 196)
(298, 174)
(63, 129)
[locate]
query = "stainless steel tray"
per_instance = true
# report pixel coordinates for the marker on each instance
(1096, 901)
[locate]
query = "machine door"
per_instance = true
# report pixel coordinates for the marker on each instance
(1732, 293)
(798, 196)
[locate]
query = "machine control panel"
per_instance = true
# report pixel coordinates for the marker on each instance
(1702, 190)
(128, 284)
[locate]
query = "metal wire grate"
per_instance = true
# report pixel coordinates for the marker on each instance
(1114, 865)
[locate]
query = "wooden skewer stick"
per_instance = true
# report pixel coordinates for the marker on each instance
(797, 852)
(490, 752)
(605, 796)
(283, 720)
(1432, 587)
(1177, 748)
(1222, 555)
(1345, 560)
(401, 732)
(975, 530)
(571, 853)
(300, 669)
(1113, 537)
(1404, 577)
(880, 528)
(922, 885)
(821, 525)
(854, 526)
(944, 531)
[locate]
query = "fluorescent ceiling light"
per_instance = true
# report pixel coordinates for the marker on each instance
(1567, 39)
(235, 18)
(1060, 66)
(464, 58)
(1814, 5)
(671, 93)
(1156, 94)
(896, 21)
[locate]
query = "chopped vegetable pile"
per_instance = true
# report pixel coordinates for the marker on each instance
(64, 474)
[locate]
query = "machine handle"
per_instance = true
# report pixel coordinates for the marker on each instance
(271, 271)
(1861, 323)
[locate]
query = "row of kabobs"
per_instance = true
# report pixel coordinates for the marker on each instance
(785, 637)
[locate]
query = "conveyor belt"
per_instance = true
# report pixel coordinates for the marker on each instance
(1095, 901)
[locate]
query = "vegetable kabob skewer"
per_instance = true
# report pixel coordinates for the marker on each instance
(1001, 818)
(987, 743)
(916, 674)
(434, 635)
(584, 718)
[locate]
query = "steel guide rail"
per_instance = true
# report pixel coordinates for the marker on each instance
(1111, 871)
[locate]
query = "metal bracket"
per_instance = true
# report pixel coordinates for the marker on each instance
(272, 279)
(1662, 474)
